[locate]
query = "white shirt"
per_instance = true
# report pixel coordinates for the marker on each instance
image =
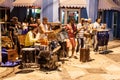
(96, 25)
(45, 27)
(81, 32)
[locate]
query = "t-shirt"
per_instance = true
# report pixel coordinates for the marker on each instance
(96, 25)
(29, 40)
(80, 33)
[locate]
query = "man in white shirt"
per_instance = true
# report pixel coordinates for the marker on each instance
(45, 26)
(80, 34)
(96, 26)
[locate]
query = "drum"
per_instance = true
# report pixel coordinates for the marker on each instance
(43, 41)
(102, 37)
(28, 55)
(47, 60)
(106, 39)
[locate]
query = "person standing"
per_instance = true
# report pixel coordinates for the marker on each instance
(45, 26)
(96, 26)
(80, 34)
(71, 30)
(14, 28)
(45, 29)
(90, 31)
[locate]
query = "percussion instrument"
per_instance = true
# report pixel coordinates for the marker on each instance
(84, 54)
(48, 60)
(40, 47)
(102, 37)
(43, 41)
(28, 55)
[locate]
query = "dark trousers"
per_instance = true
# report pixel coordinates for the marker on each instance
(17, 44)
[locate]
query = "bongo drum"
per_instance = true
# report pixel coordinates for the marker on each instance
(28, 55)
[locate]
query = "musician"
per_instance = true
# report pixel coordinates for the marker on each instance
(45, 26)
(96, 26)
(90, 31)
(31, 20)
(32, 36)
(38, 22)
(14, 31)
(80, 34)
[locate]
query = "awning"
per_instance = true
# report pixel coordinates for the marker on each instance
(27, 3)
(108, 5)
(73, 3)
(6, 3)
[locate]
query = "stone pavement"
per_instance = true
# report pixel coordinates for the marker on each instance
(100, 68)
(113, 44)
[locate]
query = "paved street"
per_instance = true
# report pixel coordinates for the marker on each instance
(102, 67)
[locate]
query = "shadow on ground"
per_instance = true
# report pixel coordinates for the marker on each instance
(106, 52)
(24, 71)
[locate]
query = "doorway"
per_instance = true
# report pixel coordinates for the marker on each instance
(66, 14)
(114, 24)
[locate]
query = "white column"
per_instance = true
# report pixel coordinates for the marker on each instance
(55, 10)
(50, 10)
(92, 9)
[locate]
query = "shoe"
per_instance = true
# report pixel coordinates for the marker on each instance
(75, 57)
(60, 69)
(70, 56)
(95, 50)
(77, 51)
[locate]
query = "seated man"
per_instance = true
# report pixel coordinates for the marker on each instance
(32, 36)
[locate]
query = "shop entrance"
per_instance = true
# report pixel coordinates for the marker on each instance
(114, 25)
(66, 14)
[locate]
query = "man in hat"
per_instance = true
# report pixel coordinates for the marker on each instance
(14, 26)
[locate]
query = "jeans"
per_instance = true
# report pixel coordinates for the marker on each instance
(80, 41)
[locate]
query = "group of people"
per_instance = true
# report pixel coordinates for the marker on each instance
(33, 31)
(85, 32)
